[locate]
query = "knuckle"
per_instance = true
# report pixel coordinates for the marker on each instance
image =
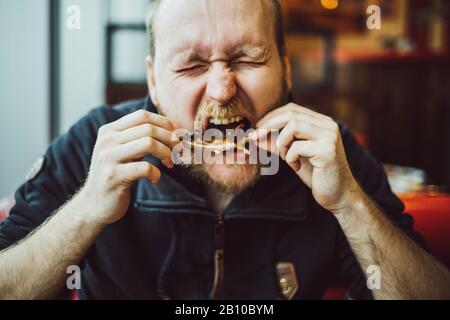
(103, 129)
(292, 114)
(330, 151)
(334, 137)
(334, 125)
(292, 105)
(167, 123)
(296, 146)
(291, 125)
(142, 113)
(110, 173)
(303, 124)
(105, 156)
(148, 142)
(148, 129)
(106, 138)
(333, 151)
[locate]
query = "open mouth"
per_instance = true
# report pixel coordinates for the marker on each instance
(229, 126)
(232, 135)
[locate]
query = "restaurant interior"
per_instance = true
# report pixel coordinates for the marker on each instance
(390, 84)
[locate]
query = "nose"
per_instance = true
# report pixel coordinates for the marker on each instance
(221, 86)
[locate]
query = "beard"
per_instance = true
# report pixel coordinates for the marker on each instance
(229, 179)
(233, 179)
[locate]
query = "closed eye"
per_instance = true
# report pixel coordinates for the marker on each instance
(248, 63)
(193, 68)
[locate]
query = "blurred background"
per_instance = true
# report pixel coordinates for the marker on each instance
(391, 86)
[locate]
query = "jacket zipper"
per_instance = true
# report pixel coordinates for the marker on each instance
(218, 257)
(218, 241)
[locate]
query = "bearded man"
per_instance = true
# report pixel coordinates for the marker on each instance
(108, 197)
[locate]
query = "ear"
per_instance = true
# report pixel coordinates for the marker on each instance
(287, 69)
(151, 79)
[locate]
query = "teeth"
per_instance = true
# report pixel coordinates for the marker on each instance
(225, 121)
(215, 121)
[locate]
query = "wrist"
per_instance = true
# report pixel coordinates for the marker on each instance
(83, 209)
(356, 215)
(351, 200)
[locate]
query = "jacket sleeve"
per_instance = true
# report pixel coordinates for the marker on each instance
(64, 169)
(373, 180)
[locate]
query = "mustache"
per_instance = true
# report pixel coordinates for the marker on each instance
(235, 107)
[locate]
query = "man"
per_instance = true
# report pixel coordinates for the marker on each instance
(141, 227)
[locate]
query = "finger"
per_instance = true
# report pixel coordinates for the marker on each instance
(140, 117)
(267, 141)
(148, 130)
(140, 148)
(294, 108)
(297, 108)
(299, 150)
(304, 149)
(280, 120)
(299, 130)
(263, 134)
(134, 171)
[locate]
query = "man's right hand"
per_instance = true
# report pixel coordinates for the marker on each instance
(65, 237)
(116, 162)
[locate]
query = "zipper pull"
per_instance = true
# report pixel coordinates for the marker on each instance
(218, 257)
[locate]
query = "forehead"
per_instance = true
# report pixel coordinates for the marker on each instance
(213, 26)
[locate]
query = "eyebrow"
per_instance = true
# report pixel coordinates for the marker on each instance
(186, 55)
(255, 52)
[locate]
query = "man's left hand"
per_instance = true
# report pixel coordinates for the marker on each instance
(311, 144)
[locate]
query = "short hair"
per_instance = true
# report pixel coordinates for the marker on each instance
(278, 25)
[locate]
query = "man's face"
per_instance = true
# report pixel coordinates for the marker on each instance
(217, 58)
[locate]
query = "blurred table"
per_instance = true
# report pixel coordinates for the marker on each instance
(432, 220)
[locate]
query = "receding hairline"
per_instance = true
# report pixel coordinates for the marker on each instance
(278, 28)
